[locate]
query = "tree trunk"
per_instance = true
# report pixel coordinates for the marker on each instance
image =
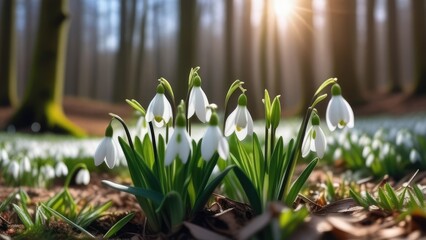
(370, 56)
(141, 53)
(264, 45)
(123, 81)
(342, 17)
(229, 43)
(393, 58)
(186, 45)
(303, 31)
(8, 78)
(419, 31)
(43, 96)
(246, 69)
(278, 78)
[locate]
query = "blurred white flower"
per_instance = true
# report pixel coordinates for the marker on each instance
(337, 154)
(179, 144)
(106, 152)
(141, 127)
(13, 169)
(4, 157)
(314, 139)
(198, 101)
(370, 160)
(61, 169)
(25, 165)
(239, 121)
(366, 151)
(414, 156)
(213, 141)
(339, 112)
(48, 172)
(82, 177)
(159, 109)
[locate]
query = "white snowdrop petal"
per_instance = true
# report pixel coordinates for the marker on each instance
(167, 110)
(306, 145)
(241, 117)
(100, 153)
(330, 115)
(200, 104)
(320, 142)
(241, 134)
(209, 143)
(191, 103)
(249, 123)
(230, 123)
(110, 156)
(351, 119)
(172, 149)
(223, 148)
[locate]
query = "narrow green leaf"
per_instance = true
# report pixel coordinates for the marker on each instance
(204, 196)
(24, 216)
(392, 196)
(357, 197)
(319, 99)
(252, 195)
(136, 105)
(119, 225)
(172, 207)
(57, 214)
(156, 197)
(325, 84)
(7, 201)
(419, 194)
(370, 200)
(300, 181)
(168, 87)
(267, 103)
(384, 200)
(234, 86)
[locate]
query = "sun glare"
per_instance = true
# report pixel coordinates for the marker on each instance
(284, 8)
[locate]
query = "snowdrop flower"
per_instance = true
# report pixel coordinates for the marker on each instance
(214, 141)
(82, 177)
(239, 121)
(25, 165)
(4, 158)
(316, 134)
(159, 109)
(48, 172)
(339, 112)
(106, 150)
(61, 169)
(13, 170)
(179, 145)
(198, 101)
(370, 160)
(414, 156)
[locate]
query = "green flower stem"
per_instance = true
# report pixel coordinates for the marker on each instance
(126, 129)
(154, 144)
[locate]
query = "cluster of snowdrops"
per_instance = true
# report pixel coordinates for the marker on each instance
(174, 176)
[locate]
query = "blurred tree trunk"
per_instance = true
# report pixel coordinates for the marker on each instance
(393, 58)
(229, 43)
(141, 53)
(8, 78)
(122, 80)
(264, 45)
(419, 31)
(342, 19)
(43, 97)
(304, 33)
(246, 69)
(72, 78)
(277, 59)
(186, 45)
(370, 56)
(95, 82)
